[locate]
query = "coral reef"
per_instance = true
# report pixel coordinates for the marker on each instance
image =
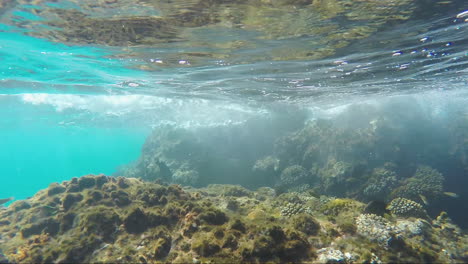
(130, 220)
(372, 160)
(426, 184)
(334, 155)
(293, 176)
(195, 156)
(266, 168)
(334, 176)
(289, 209)
(406, 208)
(375, 228)
(380, 184)
(331, 255)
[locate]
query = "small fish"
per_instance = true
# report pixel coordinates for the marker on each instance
(424, 199)
(451, 194)
(6, 200)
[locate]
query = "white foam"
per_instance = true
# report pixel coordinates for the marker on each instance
(435, 103)
(150, 109)
(190, 112)
(94, 103)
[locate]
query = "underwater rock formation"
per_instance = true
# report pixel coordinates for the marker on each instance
(220, 154)
(293, 176)
(334, 176)
(372, 159)
(162, 223)
(383, 155)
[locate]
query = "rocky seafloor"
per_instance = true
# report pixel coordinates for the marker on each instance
(102, 219)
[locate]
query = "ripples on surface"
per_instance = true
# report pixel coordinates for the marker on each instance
(174, 58)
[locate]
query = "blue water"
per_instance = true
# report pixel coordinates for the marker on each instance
(34, 155)
(40, 143)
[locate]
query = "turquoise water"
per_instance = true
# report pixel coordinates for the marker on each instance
(34, 155)
(41, 143)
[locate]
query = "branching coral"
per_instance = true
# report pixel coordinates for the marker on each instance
(380, 184)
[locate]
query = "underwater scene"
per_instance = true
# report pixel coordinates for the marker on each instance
(243, 131)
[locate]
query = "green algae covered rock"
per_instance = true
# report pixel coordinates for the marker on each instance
(228, 190)
(162, 247)
(70, 199)
(136, 222)
(306, 224)
(213, 217)
(55, 189)
(49, 225)
(100, 221)
(177, 225)
(205, 247)
(341, 205)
